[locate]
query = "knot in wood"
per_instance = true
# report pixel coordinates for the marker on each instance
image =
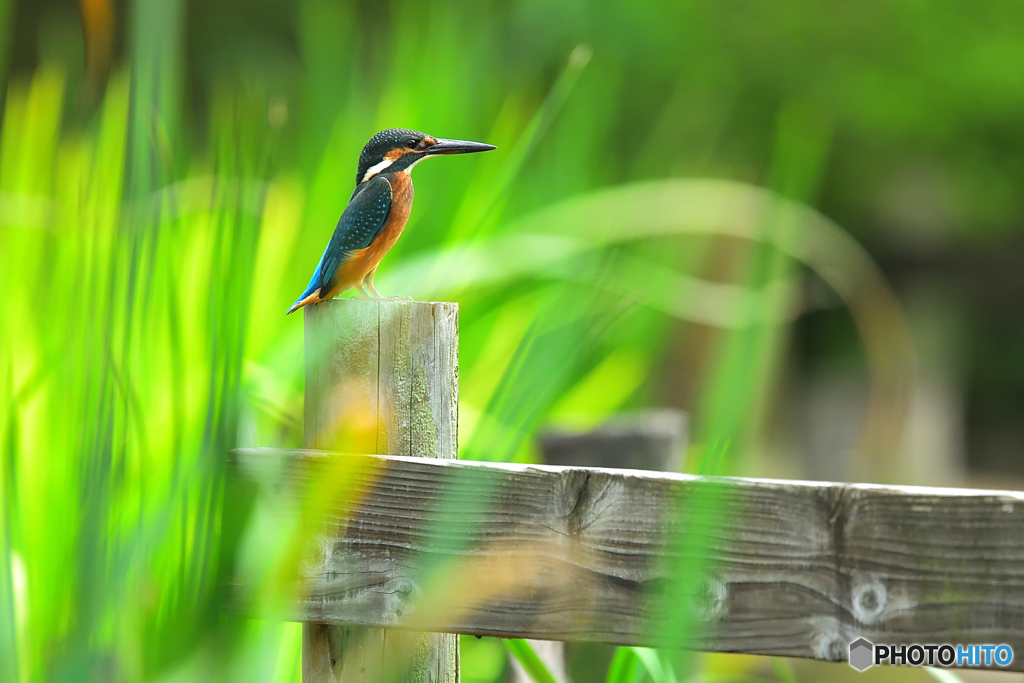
(710, 600)
(313, 560)
(830, 638)
(869, 598)
(402, 594)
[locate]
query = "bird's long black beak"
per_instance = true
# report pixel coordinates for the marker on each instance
(443, 146)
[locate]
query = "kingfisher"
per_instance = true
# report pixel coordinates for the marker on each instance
(376, 213)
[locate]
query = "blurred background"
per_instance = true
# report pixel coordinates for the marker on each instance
(800, 222)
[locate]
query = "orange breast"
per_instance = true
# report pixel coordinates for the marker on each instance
(401, 205)
(361, 262)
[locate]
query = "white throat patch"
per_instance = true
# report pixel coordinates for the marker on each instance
(376, 168)
(413, 164)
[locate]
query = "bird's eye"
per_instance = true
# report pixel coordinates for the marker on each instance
(411, 143)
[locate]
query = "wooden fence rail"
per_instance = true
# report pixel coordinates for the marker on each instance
(576, 554)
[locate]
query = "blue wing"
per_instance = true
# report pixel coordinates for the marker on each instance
(362, 221)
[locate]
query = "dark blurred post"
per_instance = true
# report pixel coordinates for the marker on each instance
(381, 377)
(643, 440)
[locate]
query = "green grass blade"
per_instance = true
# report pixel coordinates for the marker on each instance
(528, 659)
(783, 671)
(624, 667)
(657, 666)
(8, 598)
(484, 195)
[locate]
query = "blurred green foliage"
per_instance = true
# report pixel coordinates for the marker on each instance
(165, 194)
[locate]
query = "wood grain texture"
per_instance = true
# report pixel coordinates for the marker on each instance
(381, 377)
(792, 568)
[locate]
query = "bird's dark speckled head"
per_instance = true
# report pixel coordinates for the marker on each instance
(399, 149)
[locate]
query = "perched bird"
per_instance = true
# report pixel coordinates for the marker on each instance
(376, 214)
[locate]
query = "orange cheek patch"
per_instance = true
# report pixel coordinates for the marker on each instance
(394, 154)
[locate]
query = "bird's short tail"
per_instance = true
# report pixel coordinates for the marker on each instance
(312, 293)
(307, 297)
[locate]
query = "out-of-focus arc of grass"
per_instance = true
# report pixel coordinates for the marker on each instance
(549, 243)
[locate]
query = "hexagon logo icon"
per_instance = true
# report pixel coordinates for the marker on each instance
(862, 654)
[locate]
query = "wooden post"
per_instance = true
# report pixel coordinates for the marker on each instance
(643, 440)
(382, 378)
